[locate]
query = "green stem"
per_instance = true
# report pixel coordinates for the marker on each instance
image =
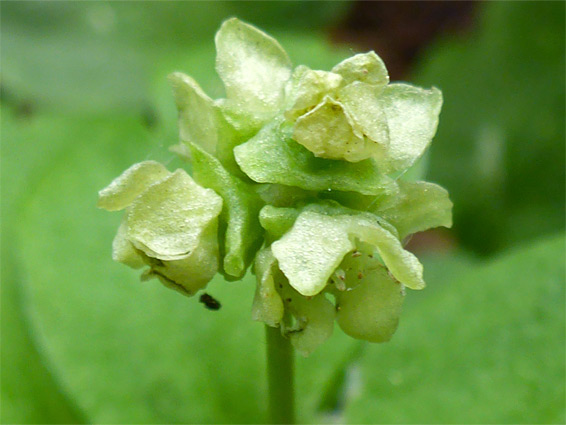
(280, 377)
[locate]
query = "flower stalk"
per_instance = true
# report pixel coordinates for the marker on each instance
(280, 368)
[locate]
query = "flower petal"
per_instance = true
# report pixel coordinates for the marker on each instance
(310, 252)
(192, 272)
(130, 184)
(361, 103)
(315, 246)
(418, 206)
(327, 132)
(277, 221)
(123, 251)
(197, 114)
(365, 67)
(167, 220)
(412, 117)
(253, 66)
(308, 88)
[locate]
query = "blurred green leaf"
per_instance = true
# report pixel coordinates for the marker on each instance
(487, 348)
(500, 144)
(100, 55)
(29, 392)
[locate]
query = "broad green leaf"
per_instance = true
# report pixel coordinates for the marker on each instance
(253, 67)
(273, 157)
(198, 121)
(412, 117)
(365, 67)
(29, 391)
(485, 345)
(316, 244)
(418, 206)
(32, 390)
(167, 221)
(243, 234)
(267, 305)
(130, 184)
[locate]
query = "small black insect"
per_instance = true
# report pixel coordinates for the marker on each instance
(210, 302)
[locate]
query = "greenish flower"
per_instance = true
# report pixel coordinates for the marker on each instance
(296, 173)
(170, 225)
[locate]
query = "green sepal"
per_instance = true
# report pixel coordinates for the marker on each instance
(277, 221)
(309, 321)
(273, 157)
(267, 306)
(243, 234)
(418, 206)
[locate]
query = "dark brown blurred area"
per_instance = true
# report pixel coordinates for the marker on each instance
(399, 30)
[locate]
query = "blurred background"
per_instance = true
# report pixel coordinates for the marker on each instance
(84, 95)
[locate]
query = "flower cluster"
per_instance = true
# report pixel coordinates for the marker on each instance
(298, 174)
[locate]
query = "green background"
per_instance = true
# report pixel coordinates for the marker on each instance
(84, 96)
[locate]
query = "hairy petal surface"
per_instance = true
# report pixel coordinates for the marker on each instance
(198, 121)
(130, 184)
(167, 220)
(308, 88)
(327, 131)
(412, 117)
(253, 66)
(364, 67)
(315, 246)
